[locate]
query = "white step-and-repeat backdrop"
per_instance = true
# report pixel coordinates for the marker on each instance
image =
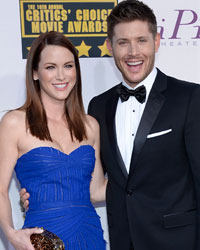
(21, 20)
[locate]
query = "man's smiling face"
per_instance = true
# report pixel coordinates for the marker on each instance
(133, 47)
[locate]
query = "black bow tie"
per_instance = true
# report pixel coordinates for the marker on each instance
(125, 93)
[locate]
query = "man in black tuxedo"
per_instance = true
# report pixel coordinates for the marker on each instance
(150, 141)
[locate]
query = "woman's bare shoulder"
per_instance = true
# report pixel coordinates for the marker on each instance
(92, 123)
(13, 119)
(92, 127)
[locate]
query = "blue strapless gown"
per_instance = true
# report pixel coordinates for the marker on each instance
(59, 195)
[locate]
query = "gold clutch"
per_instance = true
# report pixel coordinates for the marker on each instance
(47, 241)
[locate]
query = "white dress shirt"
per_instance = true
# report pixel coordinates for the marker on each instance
(127, 119)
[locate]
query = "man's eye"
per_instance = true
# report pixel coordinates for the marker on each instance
(142, 40)
(122, 43)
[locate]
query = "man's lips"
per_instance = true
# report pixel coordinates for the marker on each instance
(134, 66)
(134, 63)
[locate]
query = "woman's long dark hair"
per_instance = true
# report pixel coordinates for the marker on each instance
(36, 118)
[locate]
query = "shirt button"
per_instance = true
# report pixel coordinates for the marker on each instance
(130, 192)
(133, 110)
(132, 134)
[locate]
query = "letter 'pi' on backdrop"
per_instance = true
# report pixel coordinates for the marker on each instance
(84, 22)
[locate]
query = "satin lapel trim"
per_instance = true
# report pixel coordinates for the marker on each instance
(154, 104)
(110, 120)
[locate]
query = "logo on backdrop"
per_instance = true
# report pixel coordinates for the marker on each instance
(183, 31)
(82, 21)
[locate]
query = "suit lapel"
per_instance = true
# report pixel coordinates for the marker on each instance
(110, 121)
(154, 104)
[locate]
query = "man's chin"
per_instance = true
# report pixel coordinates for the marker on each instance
(132, 82)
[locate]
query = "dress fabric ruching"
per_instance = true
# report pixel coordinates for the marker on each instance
(59, 202)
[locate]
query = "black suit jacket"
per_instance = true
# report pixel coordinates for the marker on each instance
(156, 206)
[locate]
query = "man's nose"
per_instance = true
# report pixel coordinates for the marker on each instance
(133, 49)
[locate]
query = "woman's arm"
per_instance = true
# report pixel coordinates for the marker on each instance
(99, 182)
(9, 134)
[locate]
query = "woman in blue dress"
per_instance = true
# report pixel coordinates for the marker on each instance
(54, 148)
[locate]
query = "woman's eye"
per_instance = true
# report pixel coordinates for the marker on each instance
(68, 66)
(50, 67)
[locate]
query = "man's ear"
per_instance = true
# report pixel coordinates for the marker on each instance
(157, 42)
(109, 46)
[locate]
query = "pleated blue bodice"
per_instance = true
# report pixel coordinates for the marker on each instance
(58, 184)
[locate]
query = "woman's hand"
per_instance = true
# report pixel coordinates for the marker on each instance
(24, 196)
(20, 239)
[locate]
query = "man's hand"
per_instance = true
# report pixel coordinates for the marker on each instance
(24, 196)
